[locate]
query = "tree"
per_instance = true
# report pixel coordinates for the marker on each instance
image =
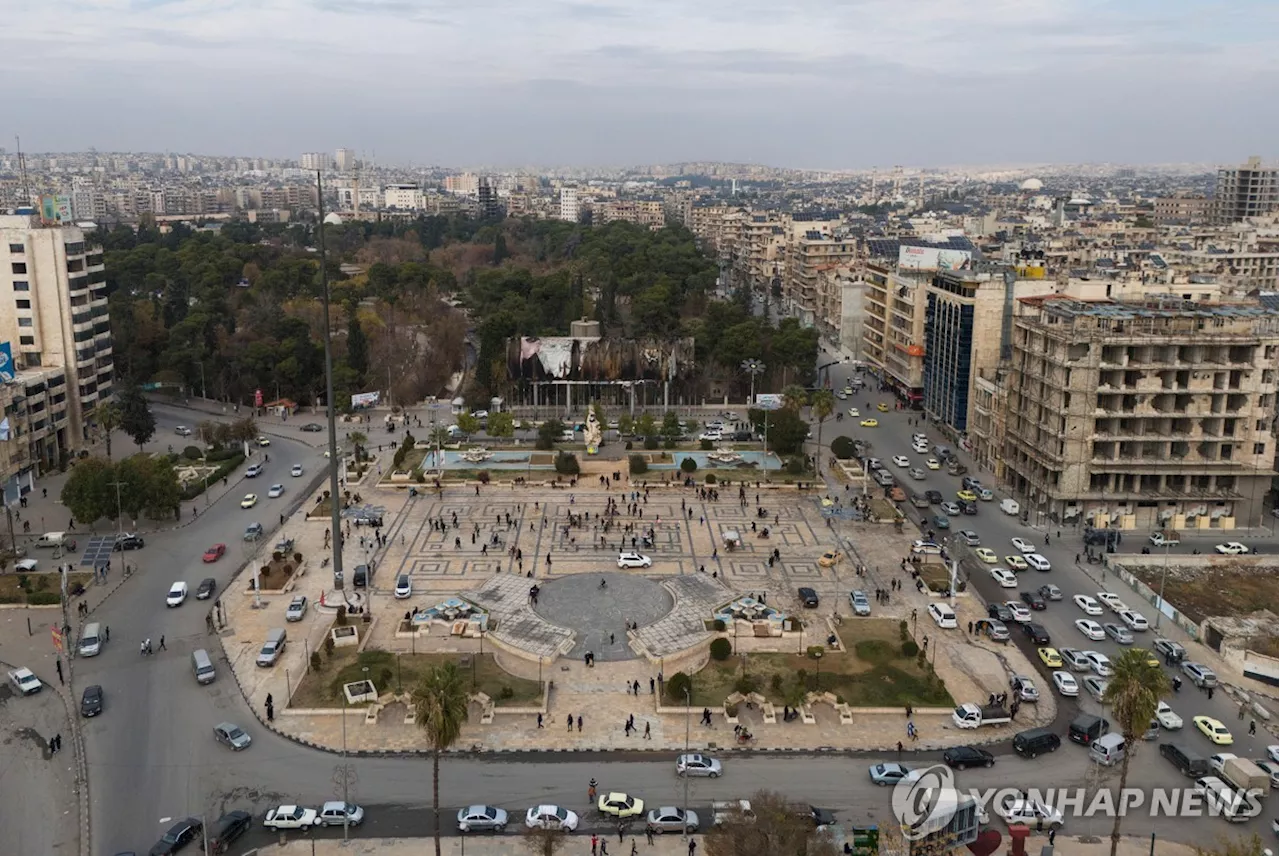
(468, 424)
(1133, 694)
(787, 431)
(357, 349)
(780, 828)
(626, 424)
(547, 842)
(136, 417)
(794, 397)
(107, 415)
(243, 430)
(440, 703)
(88, 493)
(821, 406)
(358, 440)
(502, 425)
(671, 426)
(500, 251)
(439, 436)
(549, 434)
(646, 425)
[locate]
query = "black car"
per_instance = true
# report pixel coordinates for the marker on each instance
(207, 587)
(129, 541)
(1038, 634)
(91, 701)
(228, 828)
(822, 816)
(742, 436)
(179, 835)
(808, 597)
(934, 497)
(963, 757)
(967, 507)
(313, 428)
(1000, 611)
(1033, 600)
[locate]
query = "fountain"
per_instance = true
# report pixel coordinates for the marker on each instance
(476, 456)
(724, 456)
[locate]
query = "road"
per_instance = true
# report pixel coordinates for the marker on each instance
(151, 755)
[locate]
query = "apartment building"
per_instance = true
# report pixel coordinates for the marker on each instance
(405, 197)
(56, 321)
(313, 160)
(807, 260)
(1138, 414)
(465, 184)
(487, 205)
(1175, 210)
(1247, 190)
(642, 212)
(570, 208)
(345, 159)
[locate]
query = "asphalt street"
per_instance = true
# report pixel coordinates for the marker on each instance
(152, 756)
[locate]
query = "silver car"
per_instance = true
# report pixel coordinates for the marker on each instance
(668, 818)
(916, 473)
(232, 735)
(1120, 635)
(338, 813)
(297, 608)
(698, 765)
(1200, 675)
(482, 818)
(1095, 686)
(859, 602)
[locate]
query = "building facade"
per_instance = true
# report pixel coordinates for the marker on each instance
(1247, 190)
(1138, 414)
(569, 209)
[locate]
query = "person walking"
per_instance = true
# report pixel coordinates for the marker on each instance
(622, 832)
(569, 722)
(1253, 727)
(648, 835)
(162, 648)
(647, 735)
(595, 844)
(693, 847)
(579, 723)
(58, 663)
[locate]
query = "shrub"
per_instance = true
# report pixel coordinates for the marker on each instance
(730, 710)
(669, 443)
(910, 648)
(815, 652)
(705, 445)
(506, 692)
(776, 684)
(316, 662)
(902, 630)
(721, 648)
(44, 598)
(747, 683)
(191, 453)
(920, 656)
(483, 477)
(718, 625)
(796, 465)
(341, 620)
(418, 475)
(567, 464)
(385, 676)
(711, 478)
(651, 443)
(688, 465)
(42, 582)
(328, 646)
(630, 446)
(638, 464)
(676, 686)
(24, 582)
(875, 651)
(842, 448)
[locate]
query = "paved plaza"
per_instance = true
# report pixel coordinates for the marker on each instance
(490, 546)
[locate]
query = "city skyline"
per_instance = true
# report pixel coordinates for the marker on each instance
(831, 86)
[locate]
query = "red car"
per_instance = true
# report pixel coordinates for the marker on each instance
(214, 553)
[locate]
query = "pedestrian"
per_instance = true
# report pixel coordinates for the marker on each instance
(539, 720)
(970, 628)
(58, 663)
(1053, 830)
(1240, 712)
(693, 847)
(570, 722)
(1253, 727)
(162, 648)
(604, 847)
(595, 844)
(271, 713)
(647, 735)
(633, 847)
(648, 835)
(652, 684)
(622, 832)
(579, 723)
(106, 633)
(58, 739)
(899, 749)
(1210, 693)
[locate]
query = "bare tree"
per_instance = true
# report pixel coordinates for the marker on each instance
(546, 842)
(780, 828)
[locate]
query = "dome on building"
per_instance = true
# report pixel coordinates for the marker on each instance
(333, 218)
(1033, 184)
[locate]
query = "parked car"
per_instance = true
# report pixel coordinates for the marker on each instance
(296, 609)
(404, 587)
(1118, 634)
(179, 835)
(1050, 591)
(550, 817)
(671, 819)
(1065, 684)
(1036, 632)
(1087, 604)
(1033, 600)
(1074, 659)
(620, 805)
(339, 813)
(634, 560)
(227, 829)
(963, 757)
(1095, 687)
(859, 602)
(482, 818)
(697, 765)
(91, 701)
(808, 597)
(1201, 676)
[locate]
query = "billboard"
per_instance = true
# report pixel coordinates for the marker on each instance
(769, 401)
(55, 209)
(364, 399)
(932, 258)
(6, 362)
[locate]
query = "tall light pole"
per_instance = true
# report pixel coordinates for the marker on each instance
(335, 499)
(753, 367)
(688, 715)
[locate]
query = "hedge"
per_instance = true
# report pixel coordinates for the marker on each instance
(44, 598)
(225, 468)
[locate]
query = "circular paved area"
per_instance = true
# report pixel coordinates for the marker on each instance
(592, 613)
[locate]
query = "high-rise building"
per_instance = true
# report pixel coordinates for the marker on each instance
(1248, 190)
(569, 208)
(1157, 412)
(487, 197)
(345, 159)
(58, 328)
(314, 160)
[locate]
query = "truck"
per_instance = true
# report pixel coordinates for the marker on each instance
(970, 715)
(1244, 775)
(731, 811)
(24, 681)
(1165, 538)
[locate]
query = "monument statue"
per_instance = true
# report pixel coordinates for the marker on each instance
(592, 433)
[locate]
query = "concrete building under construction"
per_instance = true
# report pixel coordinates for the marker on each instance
(1137, 414)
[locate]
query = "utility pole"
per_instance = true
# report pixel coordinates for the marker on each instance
(119, 513)
(688, 713)
(335, 498)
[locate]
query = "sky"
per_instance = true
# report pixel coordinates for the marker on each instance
(832, 84)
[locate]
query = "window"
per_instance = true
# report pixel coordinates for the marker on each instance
(24, 322)
(1259, 448)
(21, 285)
(19, 267)
(17, 248)
(23, 304)
(26, 340)
(75, 249)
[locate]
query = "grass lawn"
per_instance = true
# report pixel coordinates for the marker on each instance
(47, 585)
(323, 688)
(936, 577)
(873, 673)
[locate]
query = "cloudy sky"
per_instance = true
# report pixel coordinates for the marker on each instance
(806, 83)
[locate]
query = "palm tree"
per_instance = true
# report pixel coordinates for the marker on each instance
(794, 397)
(1133, 693)
(440, 708)
(821, 406)
(358, 440)
(107, 415)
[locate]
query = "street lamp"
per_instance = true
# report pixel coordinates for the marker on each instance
(753, 367)
(335, 497)
(688, 718)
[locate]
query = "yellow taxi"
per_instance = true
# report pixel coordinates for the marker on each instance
(1214, 730)
(1016, 562)
(967, 495)
(829, 558)
(869, 423)
(1050, 657)
(932, 463)
(987, 555)
(882, 407)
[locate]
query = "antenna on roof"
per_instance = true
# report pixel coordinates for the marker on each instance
(22, 167)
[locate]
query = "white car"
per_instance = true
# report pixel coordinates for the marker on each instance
(853, 411)
(296, 471)
(1032, 813)
(24, 681)
(1004, 578)
(296, 609)
(1100, 663)
(1065, 684)
(1023, 546)
(634, 560)
(1021, 613)
(1040, 563)
(249, 501)
(264, 441)
(901, 461)
(1092, 629)
(339, 813)
(550, 817)
(1087, 604)
(1135, 620)
(1113, 602)
(275, 491)
(1218, 761)
(404, 587)
(182, 431)
(291, 817)
(1166, 717)
(943, 615)
(711, 436)
(1096, 687)
(26, 566)
(1231, 548)
(177, 594)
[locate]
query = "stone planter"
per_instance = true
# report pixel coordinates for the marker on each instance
(400, 477)
(360, 692)
(345, 636)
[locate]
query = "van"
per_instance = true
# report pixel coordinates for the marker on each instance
(1086, 728)
(202, 666)
(984, 494)
(273, 647)
(51, 539)
(1035, 741)
(1107, 750)
(91, 640)
(1234, 806)
(943, 615)
(941, 452)
(360, 576)
(1190, 764)
(1010, 506)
